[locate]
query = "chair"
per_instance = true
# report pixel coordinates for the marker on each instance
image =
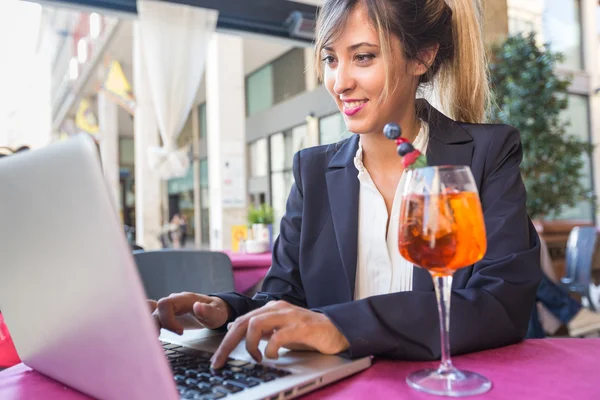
(581, 246)
(172, 271)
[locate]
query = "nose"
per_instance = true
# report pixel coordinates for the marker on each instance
(344, 81)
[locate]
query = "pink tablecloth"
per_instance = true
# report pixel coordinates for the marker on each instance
(8, 354)
(548, 369)
(248, 269)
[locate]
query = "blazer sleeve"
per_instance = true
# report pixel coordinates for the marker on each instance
(494, 306)
(282, 282)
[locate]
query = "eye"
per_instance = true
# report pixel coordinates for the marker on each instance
(328, 59)
(364, 58)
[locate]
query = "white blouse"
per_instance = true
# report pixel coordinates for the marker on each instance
(380, 267)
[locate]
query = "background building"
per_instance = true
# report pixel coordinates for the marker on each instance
(259, 94)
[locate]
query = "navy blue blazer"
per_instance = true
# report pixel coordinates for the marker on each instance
(315, 256)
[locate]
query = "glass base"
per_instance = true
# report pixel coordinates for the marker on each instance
(453, 383)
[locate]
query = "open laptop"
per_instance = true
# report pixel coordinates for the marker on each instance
(75, 306)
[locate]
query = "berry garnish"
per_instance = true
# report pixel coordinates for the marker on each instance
(411, 158)
(392, 131)
(405, 148)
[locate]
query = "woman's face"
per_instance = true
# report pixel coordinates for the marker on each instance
(354, 75)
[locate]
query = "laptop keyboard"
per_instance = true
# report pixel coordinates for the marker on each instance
(196, 380)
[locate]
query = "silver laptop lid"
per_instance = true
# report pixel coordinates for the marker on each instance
(69, 288)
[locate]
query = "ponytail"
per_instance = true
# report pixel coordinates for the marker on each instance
(463, 79)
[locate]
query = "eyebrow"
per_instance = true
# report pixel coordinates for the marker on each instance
(353, 47)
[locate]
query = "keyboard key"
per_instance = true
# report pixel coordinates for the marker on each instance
(195, 353)
(262, 378)
(190, 373)
(204, 386)
(202, 378)
(237, 363)
(182, 389)
(212, 396)
(191, 382)
(278, 372)
(179, 378)
(191, 394)
(227, 388)
(170, 346)
(243, 383)
(220, 372)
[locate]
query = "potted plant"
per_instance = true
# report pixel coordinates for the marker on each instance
(530, 96)
(260, 221)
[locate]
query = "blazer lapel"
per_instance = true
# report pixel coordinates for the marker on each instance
(449, 144)
(343, 190)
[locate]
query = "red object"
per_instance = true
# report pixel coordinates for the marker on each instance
(410, 158)
(401, 140)
(555, 369)
(8, 353)
(248, 269)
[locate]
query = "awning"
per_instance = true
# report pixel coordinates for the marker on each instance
(285, 19)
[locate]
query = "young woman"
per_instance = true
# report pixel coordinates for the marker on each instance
(338, 284)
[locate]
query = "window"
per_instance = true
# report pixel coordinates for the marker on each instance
(275, 82)
(204, 202)
(203, 124)
(577, 114)
(562, 29)
(259, 90)
(288, 76)
(332, 129)
(283, 147)
(126, 151)
(259, 161)
(520, 25)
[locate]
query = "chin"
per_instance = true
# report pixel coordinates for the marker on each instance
(360, 127)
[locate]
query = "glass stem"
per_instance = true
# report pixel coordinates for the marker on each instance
(443, 290)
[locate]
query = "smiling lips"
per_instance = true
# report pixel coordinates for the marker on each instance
(351, 107)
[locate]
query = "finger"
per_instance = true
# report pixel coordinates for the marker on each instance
(233, 337)
(209, 315)
(237, 332)
(156, 319)
(262, 326)
(173, 306)
(290, 335)
(166, 315)
(153, 305)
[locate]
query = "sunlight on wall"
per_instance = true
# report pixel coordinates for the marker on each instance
(24, 76)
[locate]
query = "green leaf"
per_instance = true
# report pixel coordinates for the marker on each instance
(530, 96)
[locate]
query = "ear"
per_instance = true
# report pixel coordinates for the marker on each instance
(425, 59)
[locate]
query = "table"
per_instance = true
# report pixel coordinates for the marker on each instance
(248, 269)
(549, 369)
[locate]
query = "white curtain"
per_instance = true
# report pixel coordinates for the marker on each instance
(174, 41)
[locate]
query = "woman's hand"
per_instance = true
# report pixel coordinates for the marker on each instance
(284, 325)
(211, 312)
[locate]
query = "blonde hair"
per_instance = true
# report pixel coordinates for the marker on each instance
(460, 67)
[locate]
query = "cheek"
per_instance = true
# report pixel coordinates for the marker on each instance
(371, 81)
(329, 81)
